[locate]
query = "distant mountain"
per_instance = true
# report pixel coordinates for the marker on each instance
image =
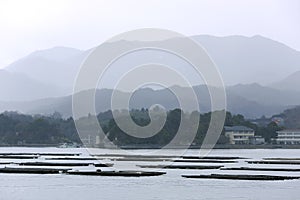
(265, 95)
(58, 54)
(145, 98)
(19, 87)
(251, 59)
(292, 83)
(57, 66)
(241, 60)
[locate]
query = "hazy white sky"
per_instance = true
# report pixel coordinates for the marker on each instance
(29, 25)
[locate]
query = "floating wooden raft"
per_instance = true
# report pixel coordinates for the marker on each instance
(5, 163)
(172, 160)
(169, 156)
(262, 169)
(281, 158)
(134, 156)
(205, 161)
(41, 154)
(214, 157)
(32, 170)
(116, 173)
(17, 157)
(275, 162)
(141, 159)
(180, 166)
(65, 164)
(242, 177)
(71, 158)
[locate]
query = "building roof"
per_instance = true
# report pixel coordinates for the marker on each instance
(237, 128)
(289, 131)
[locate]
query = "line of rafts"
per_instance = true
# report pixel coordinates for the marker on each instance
(62, 167)
(268, 161)
(123, 157)
(169, 158)
(67, 167)
(98, 172)
(242, 177)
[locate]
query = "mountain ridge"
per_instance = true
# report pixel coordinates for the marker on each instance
(291, 83)
(241, 60)
(144, 98)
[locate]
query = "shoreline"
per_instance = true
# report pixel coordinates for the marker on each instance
(137, 147)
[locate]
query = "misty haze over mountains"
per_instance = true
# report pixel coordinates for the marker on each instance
(261, 75)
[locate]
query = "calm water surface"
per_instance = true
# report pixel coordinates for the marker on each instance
(167, 187)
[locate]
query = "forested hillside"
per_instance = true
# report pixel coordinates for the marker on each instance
(25, 129)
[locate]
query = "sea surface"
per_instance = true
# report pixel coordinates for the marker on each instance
(170, 186)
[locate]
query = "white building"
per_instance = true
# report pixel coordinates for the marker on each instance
(288, 137)
(239, 134)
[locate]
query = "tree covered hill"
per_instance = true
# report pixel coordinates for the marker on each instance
(20, 129)
(291, 118)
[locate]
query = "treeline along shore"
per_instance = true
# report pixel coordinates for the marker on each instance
(37, 130)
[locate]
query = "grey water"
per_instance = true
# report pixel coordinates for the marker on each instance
(167, 187)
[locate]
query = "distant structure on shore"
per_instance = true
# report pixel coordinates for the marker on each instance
(288, 137)
(239, 134)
